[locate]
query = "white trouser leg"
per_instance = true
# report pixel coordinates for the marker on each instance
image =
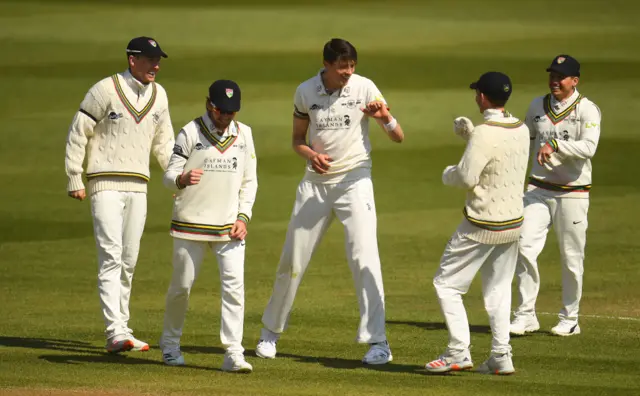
(497, 275)
(461, 260)
(309, 221)
(107, 208)
(355, 207)
(230, 257)
(187, 259)
(537, 220)
(135, 215)
(571, 228)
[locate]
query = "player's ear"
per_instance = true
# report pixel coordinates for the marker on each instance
(208, 104)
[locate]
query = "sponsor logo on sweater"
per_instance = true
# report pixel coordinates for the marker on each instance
(113, 116)
(221, 165)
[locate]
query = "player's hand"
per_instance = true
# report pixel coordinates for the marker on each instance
(321, 163)
(463, 127)
(544, 154)
(238, 230)
(376, 109)
(80, 195)
(191, 178)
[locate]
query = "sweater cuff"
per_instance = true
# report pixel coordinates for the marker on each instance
(554, 144)
(243, 218)
(75, 183)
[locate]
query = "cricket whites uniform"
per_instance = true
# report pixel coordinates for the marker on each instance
(492, 169)
(339, 128)
(119, 123)
(203, 215)
(558, 194)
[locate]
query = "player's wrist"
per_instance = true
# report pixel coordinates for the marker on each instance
(179, 182)
(391, 124)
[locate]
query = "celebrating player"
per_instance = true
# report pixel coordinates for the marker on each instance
(565, 129)
(331, 132)
(492, 170)
(213, 170)
(121, 120)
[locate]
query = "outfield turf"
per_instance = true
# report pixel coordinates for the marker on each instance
(422, 55)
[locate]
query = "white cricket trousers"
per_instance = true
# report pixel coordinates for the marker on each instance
(461, 260)
(118, 223)
(569, 218)
(187, 259)
(353, 204)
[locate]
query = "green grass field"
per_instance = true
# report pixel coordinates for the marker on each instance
(422, 55)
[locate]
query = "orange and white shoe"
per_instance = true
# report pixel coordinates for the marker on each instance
(450, 361)
(138, 346)
(118, 344)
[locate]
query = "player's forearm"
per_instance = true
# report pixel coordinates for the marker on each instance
(392, 128)
(581, 149)
(248, 188)
(303, 150)
(163, 143)
(75, 151)
(171, 176)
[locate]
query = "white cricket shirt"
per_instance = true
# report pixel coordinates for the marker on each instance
(337, 126)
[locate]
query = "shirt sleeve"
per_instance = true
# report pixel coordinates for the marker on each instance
(92, 111)
(374, 94)
(177, 161)
(467, 173)
(249, 186)
(300, 109)
(587, 143)
(163, 141)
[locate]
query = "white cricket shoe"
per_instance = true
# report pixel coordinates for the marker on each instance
(173, 358)
(235, 363)
(566, 328)
(524, 324)
(498, 365)
(266, 347)
(379, 353)
(119, 344)
(450, 361)
(139, 346)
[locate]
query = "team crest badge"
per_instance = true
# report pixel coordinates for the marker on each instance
(561, 59)
(153, 43)
(229, 92)
(506, 88)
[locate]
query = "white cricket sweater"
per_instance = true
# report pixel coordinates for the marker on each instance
(337, 126)
(119, 123)
(572, 128)
(227, 190)
(493, 169)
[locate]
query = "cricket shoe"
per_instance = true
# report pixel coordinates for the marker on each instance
(119, 344)
(235, 363)
(266, 347)
(173, 358)
(450, 361)
(138, 346)
(379, 353)
(566, 328)
(524, 324)
(498, 364)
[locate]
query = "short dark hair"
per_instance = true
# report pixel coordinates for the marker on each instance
(339, 49)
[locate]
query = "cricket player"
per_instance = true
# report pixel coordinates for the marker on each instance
(120, 121)
(492, 170)
(213, 170)
(331, 132)
(565, 129)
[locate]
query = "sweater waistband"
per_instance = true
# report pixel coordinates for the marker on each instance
(494, 225)
(558, 187)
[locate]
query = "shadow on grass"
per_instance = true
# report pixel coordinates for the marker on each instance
(85, 352)
(329, 362)
(480, 329)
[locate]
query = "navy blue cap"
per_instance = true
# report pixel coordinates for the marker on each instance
(145, 46)
(566, 65)
(494, 85)
(225, 95)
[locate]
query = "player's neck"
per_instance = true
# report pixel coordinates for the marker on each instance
(328, 86)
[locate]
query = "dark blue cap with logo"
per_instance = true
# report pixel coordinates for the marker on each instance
(494, 85)
(145, 46)
(225, 95)
(565, 65)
